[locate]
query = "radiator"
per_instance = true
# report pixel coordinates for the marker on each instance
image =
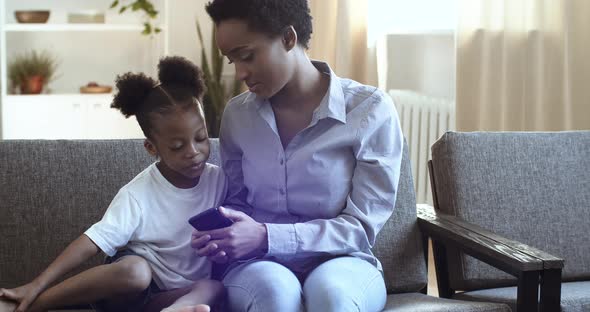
(423, 120)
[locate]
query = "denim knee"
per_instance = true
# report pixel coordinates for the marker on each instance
(263, 286)
(344, 284)
(329, 297)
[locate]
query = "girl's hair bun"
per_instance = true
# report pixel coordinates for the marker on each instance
(179, 71)
(133, 89)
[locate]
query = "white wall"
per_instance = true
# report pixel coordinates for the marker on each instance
(183, 31)
(422, 62)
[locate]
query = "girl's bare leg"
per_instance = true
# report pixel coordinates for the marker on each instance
(196, 298)
(129, 276)
(197, 308)
(7, 306)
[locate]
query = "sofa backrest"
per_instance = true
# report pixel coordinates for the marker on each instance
(399, 243)
(533, 187)
(52, 191)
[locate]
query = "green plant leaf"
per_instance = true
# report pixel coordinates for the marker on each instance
(216, 97)
(140, 5)
(200, 35)
(147, 29)
(149, 8)
(216, 58)
(236, 87)
(152, 14)
(204, 61)
(205, 67)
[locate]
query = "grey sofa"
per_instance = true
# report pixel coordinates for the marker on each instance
(51, 191)
(528, 192)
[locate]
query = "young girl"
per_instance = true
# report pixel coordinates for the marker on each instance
(145, 231)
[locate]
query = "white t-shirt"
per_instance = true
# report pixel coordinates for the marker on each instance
(150, 216)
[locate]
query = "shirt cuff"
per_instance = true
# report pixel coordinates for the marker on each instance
(282, 239)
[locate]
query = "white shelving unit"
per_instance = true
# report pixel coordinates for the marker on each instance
(71, 27)
(67, 115)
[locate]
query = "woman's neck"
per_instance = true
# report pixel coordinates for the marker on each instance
(306, 85)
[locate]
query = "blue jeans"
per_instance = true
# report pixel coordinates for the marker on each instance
(341, 284)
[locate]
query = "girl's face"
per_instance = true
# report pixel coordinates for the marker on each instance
(262, 62)
(180, 140)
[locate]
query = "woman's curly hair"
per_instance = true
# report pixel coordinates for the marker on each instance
(181, 84)
(267, 16)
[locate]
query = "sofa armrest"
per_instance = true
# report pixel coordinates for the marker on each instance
(528, 264)
(445, 230)
(549, 261)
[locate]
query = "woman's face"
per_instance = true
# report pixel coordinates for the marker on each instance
(261, 61)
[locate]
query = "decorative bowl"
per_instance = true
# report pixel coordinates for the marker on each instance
(96, 89)
(33, 16)
(86, 17)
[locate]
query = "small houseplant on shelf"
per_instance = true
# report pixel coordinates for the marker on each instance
(31, 71)
(217, 93)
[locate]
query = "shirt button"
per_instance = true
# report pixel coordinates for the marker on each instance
(282, 162)
(282, 191)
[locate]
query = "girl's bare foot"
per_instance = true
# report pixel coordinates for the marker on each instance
(197, 308)
(10, 306)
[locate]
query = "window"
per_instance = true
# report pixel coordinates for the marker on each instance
(410, 16)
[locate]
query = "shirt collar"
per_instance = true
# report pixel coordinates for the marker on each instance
(332, 105)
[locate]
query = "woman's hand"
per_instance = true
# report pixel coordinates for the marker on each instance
(245, 238)
(23, 295)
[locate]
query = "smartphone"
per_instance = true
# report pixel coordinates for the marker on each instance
(210, 219)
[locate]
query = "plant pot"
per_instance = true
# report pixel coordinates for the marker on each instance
(33, 85)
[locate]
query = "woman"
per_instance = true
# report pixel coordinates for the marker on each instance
(313, 164)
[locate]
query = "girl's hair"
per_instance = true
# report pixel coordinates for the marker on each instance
(267, 16)
(181, 85)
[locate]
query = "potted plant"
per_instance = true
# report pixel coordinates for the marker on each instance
(31, 71)
(217, 93)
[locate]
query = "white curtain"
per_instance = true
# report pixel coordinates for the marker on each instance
(340, 38)
(523, 65)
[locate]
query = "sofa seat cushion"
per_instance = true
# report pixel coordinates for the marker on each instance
(417, 302)
(575, 296)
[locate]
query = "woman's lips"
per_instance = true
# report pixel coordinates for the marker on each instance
(254, 87)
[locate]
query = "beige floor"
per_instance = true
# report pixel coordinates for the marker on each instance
(432, 289)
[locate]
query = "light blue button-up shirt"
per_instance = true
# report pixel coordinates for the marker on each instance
(330, 191)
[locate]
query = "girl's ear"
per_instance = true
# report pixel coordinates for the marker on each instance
(289, 38)
(150, 147)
